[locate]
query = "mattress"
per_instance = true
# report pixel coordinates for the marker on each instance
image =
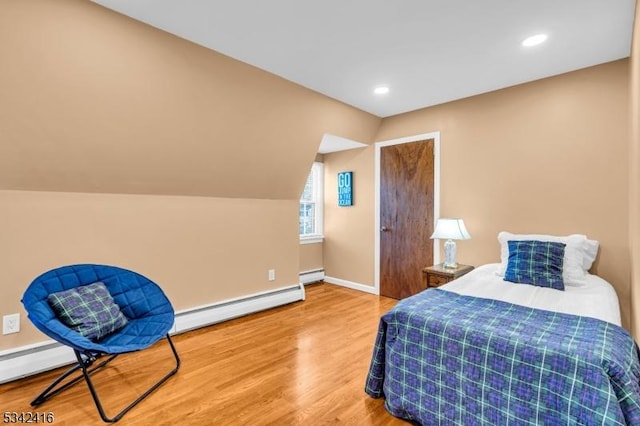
(596, 299)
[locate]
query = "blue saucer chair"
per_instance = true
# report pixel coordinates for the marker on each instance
(148, 317)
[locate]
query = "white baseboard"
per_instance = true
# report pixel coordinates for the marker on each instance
(206, 315)
(351, 285)
(33, 359)
(308, 277)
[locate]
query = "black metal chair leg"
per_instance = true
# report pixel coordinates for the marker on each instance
(51, 389)
(118, 416)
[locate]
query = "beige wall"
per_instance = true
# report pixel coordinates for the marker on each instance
(349, 235)
(208, 156)
(634, 176)
(544, 157)
(311, 258)
(199, 249)
(93, 101)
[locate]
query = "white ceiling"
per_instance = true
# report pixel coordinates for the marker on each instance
(331, 143)
(427, 51)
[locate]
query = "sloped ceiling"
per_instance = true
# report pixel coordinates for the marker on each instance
(427, 51)
(93, 101)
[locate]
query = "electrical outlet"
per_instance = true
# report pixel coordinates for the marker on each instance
(272, 274)
(11, 324)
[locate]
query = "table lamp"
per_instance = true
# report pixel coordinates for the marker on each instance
(450, 229)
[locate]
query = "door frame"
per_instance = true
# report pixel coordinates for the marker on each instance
(436, 195)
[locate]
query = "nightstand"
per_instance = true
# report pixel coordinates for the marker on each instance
(435, 276)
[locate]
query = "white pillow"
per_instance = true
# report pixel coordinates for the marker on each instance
(573, 272)
(589, 251)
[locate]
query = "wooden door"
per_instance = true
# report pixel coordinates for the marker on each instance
(406, 216)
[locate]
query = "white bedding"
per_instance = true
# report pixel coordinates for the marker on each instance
(596, 298)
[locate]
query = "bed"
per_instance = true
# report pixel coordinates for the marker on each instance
(483, 350)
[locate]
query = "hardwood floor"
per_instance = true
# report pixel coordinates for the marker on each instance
(300, 364)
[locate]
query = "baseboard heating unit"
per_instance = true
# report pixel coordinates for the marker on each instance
(36, 358)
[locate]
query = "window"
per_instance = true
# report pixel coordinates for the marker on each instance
(311, 206)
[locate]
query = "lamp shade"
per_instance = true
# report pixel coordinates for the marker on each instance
(450, 229)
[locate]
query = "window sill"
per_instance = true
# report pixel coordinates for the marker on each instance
(311, 239)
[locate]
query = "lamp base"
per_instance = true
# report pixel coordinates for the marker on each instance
(450, 255)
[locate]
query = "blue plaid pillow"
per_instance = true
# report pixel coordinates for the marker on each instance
(536, 262)
(90, 310)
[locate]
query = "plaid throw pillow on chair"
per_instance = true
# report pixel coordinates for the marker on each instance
(90, 310)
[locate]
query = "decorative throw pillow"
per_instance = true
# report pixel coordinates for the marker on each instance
(536, 262)
(90, 310)
(573, 272)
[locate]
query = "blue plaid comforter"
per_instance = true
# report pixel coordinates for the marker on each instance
(442, 358)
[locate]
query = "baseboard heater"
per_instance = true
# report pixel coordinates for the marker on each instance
(308, 277)
(37, 358)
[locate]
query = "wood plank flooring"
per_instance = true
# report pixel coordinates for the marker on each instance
(300, 364)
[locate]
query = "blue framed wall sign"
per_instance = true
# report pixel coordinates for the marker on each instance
(345, 189)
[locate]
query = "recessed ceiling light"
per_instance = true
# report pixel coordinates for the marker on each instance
(381, 90)
(534, 40)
